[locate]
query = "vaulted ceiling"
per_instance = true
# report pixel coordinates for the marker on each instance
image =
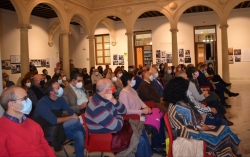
(45, 11)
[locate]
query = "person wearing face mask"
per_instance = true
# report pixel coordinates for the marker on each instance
(74, 94)
(6, 79)
(154, 80)
(117, 81)
(178, 69)
(95, 77)
(138, 78)
(57, 71)
(36, 91)
(100, 70)
(167, 75)
(58, 120)
(26, 135)
(109, 74)
(64, 83)
(25, 84)
(45, 73)
(131, 69)
(71, 65)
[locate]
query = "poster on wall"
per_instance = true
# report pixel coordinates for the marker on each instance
(181, 60)
(7, 64)
(230, 51)
(115, 62)
(187, 53)
(163, 60)
(237, 51)
(187, 60)
(237, 58)
(230, 59)
(121, 62)
(181, 52)
(121, 57)
(39, 62)
(245, 55)
(115, 57)
(163, 54)
(169, 57)
(169, 60)
(47, 63)
(15, 68)
(158, 53)
(15, 59)
(3, 64)
(43, 63)
(158, 61)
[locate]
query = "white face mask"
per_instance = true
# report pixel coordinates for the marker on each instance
(151, 77)
(133, 82)
(79, 85)
(169, 71)
(59, 81)
(120, 75)
(28, 84)
(64, 78)
(179, 69)
(60, 92)
(27, 106)
(96, 73)
(58, 71)
(210, 66)
(156, 75)
(45, 80)
(114, 79)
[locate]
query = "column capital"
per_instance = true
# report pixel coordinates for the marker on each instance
(129, 34)
(224, 26)
(65, 33)
(174, 30)
(24, 26)
(91, 37)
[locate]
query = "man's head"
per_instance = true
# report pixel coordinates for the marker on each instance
(53, 89)
(45, 72)
(63, 76)
(144, 69)
(15, 101)
(154, 72)
(182, 74)
(146, 76)
(104, 86)
(76, 79)
(71, 61)
(57, 70)
(38, 80)
(5, 76)
(96, 72)
(107, 66)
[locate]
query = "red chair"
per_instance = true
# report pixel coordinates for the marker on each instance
(171, 138)
(150, 103)
(131, 116)
(206, 88)
(96, 142)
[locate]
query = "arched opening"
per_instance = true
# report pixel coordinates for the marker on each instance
(197, 36)
(152, 39)
(238, 42)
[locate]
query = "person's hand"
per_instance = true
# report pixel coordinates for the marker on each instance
(74, 116)
(213, 110)
(211, 126)
(110, 97)
(205, 93)
(146, 110)
(83, 105)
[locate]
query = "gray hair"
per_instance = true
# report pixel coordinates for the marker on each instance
(102, 85)
(7, 96)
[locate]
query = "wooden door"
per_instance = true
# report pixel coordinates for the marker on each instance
(139, 56)
(200, 52)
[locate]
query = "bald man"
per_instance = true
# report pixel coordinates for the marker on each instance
(159, 87)
(36, 91)
(147, 92)
(27, 137)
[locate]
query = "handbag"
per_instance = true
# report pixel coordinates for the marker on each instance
(121, 139)
(213, 119)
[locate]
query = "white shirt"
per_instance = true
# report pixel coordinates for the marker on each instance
(81, 96)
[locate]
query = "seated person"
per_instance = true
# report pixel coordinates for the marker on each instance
(185, 121)
(104, 115)
(25, 84)
(20, 136)
(64, 79)
(215, 78)
(95, 77)
(138, 78)
(86, 77)
(45, 73)
(6, 78)
(167, 75)
(147, 92)
(117, 81)
(178, 69)
(108, 73)
(74, 94)
(159, 87)
(135, 105)
(57, 71)
(50, 108)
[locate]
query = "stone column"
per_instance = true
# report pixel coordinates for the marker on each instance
(224, 45)
(91, 51)
(24, 49)
(64, 44)
(131, 60)
(174, 47)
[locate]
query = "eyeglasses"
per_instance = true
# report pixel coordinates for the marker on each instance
(24, 98)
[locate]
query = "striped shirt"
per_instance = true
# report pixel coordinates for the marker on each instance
(102, 116)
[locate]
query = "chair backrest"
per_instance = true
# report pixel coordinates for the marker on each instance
(170, 134)
(131, 116)
(86, 130)
(150, 103)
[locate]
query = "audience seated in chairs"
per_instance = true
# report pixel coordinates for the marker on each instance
(65, 82)
(147, 92)
(103, 115)
(20, 136)
(58, 120)
(167, 75)
(74, 94)
(157, 84)
(135, 105)
(185, 121)
(45, 73)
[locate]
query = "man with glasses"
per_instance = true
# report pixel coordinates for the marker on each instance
(55, 116)
(20, 136)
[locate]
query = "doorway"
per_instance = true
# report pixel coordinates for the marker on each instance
(206, 45)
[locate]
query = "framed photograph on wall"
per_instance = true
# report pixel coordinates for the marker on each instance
(15, 59)
(188, 60)
(43, 63)
(47, 63)
(237, 58)
(158, 53)
(230, 51)
(7, 64)
(181, 52)
(3, 64)
(187, 53)
(230, 59)
(15, 68)
(237, 51)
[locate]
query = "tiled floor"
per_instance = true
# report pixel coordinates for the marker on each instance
(239, 114)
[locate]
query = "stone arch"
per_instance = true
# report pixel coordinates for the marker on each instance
(99, 16)
(110, 25)
(145, 8)
(189, 4)
(56, 7)
(229, 7)
(20, 11)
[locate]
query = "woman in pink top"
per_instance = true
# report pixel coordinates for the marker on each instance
(129, 97)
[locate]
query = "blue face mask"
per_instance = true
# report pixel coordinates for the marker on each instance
(60, 92)
(27, 106)
(60, 81)
(133, 83)
(7, 78)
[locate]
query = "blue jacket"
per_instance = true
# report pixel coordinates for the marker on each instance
(159, 87)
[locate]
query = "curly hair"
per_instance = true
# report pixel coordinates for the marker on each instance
(176, 90)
